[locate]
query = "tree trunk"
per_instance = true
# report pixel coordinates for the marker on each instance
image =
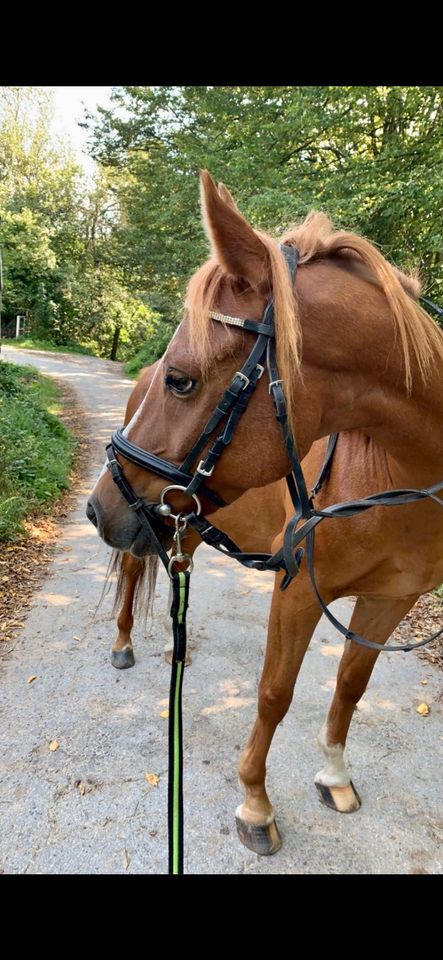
(115, 340)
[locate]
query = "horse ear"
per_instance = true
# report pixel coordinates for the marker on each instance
(234, 243)
(227, 197)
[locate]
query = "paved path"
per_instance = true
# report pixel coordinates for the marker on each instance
(87, 807)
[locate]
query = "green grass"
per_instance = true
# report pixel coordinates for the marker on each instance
(32, 343)
(439, 592)
(36, 449)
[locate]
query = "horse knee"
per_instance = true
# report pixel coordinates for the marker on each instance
(274, 701)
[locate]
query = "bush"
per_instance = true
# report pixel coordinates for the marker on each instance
(151, 351)
(36, 449)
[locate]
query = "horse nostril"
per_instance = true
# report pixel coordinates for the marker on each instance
(91, 514)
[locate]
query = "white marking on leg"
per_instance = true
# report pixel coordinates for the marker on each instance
(251, 818)
(334, 773)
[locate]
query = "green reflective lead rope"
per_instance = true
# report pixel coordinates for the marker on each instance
(180, 593)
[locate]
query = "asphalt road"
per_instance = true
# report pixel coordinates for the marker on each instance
(87, 807)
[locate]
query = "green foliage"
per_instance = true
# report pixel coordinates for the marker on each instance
(89, 262)
(152, 349)
(56, 235)
(36, 449)
(371, 157)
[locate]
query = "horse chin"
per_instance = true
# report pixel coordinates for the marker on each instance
(142, 546)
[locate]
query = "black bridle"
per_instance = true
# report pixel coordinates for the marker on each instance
(226, 416)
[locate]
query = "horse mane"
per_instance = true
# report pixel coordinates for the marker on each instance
(420, 337)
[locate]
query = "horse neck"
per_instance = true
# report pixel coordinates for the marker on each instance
(354, 379)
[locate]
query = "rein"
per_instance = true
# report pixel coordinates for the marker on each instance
(288, 558)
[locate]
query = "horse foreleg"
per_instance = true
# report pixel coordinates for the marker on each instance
(294, 615)
(374, 618)
(122, 653)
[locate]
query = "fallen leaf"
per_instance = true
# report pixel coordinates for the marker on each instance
(152, 779)
(54, 745)
(165, 714)
(423, 709)
(423, 682)
(32, 678)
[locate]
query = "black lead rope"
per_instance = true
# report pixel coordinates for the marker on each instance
(180, 594)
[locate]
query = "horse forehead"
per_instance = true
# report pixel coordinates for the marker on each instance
(224, 343)
(248, 304)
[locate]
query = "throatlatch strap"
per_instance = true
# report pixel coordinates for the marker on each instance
(180, 594)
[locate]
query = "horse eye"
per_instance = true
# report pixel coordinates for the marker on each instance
(180, 385)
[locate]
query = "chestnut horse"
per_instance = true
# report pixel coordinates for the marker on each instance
(356, 354)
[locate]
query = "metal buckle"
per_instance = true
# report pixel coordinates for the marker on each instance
(246, 380)
(205, 473)
(274, 383)
(258, 366)
(114, 468)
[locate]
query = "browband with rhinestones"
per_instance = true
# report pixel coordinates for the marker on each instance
(254, 326)
(236, 322)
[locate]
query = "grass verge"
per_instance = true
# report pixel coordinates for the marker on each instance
(36, 449)
(32, 343)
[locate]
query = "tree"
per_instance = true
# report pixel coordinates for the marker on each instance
(58, 235)
(370, 156)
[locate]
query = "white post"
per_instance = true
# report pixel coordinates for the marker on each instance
(17, 328)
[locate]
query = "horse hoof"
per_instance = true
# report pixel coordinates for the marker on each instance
(122, 659)
(263, 839)
(340, 799)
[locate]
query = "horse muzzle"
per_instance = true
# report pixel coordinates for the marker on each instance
(126, 533)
